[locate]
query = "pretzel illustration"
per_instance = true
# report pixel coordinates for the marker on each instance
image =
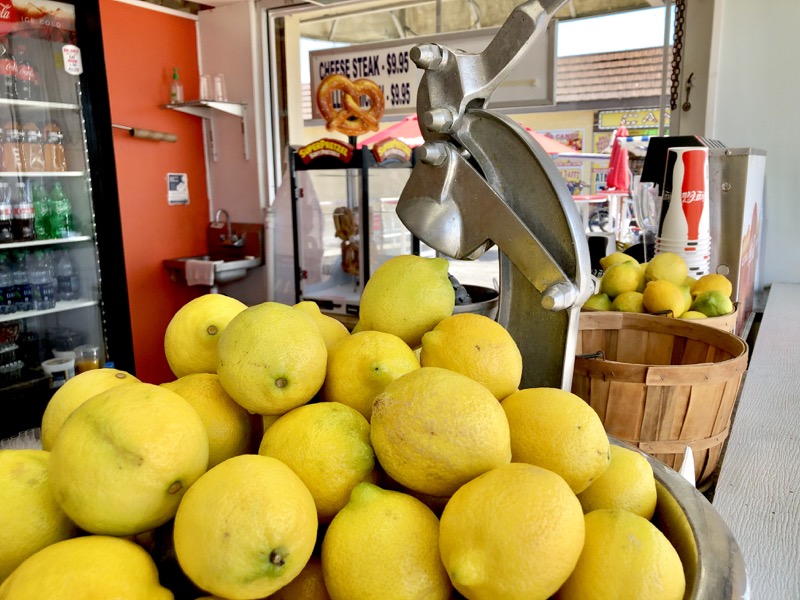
(351, 119)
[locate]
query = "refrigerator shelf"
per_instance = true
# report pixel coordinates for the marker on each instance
(34, 243)
(22, 174)
(62, 306)
(38, 104)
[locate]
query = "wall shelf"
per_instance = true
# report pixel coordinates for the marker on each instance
(206, 110)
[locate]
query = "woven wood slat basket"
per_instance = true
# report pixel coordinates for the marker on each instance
(661, 384)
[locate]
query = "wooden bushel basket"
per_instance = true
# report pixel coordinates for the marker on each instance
(661, 384)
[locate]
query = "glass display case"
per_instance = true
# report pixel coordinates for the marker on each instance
(345, 224)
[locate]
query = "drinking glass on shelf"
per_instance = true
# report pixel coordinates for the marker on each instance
(220, 93)
(205, 87)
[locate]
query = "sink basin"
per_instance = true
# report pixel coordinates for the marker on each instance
(226, 268)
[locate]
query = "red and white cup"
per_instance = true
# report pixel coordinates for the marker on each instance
(685, 211)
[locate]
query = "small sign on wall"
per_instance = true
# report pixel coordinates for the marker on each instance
(177, 188)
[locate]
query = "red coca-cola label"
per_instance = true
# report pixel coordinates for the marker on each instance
(693, 189)
(26, 73)
(23, 211)
(8, 67)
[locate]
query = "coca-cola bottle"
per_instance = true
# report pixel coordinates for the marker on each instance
(8, 71)
(27, 84)
(23, 215)
(6, 213)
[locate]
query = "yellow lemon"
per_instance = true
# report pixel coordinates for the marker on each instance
(598, 301)
(629, 302)
(383, 544)
(433, 430)
(664, 297)
(271, 358)
(327, 445)
(91, 566)
(667, 266)
(614, 259)
(693, 314)
(712, 303)
(624, 556)
(557, 430)
(478, 347)
(622, 277)
(246, 528)
(689, 281)
(628, 483)
(31, 519)
(362, 365)
(407, 296)
(687, 297)
(75, 392)
(712, 281)
(227, 423)
(192, 335)
(331, 329)
(124, 459)
(308, 585)
(513, 532)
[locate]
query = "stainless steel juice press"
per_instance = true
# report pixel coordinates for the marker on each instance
(482, 180)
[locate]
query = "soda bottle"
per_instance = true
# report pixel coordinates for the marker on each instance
(42, 289)
(41, 212)
(69, 285)
(32, 148)
(12, 154)
(7, 305)
(6, 214)
(27, 84)
(22, 213)
(61, 222)
(8, 70)
(54, 157)
(22, 283)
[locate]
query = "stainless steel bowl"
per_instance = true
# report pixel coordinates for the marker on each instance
(484, 301)
(712, 561)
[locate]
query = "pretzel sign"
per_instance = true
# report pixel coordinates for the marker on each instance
(351, 119)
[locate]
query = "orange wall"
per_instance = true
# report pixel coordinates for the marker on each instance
(141, 48)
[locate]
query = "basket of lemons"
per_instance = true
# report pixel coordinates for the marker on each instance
(663, 286)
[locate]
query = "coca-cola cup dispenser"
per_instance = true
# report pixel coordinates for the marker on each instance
(733, 204)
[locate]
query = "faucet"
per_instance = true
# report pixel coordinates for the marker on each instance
(232, 239)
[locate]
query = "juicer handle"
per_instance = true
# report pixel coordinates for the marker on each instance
(455, 80)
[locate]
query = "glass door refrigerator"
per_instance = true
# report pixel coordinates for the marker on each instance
(62, 270)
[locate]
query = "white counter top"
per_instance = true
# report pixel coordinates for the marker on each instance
(758, 489)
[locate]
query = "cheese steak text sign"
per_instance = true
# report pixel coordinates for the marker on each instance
(530, 83)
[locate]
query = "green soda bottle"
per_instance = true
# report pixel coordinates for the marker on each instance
(41, 212)
(61, 221)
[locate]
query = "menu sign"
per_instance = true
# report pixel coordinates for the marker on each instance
(530, 83)
(19, 15)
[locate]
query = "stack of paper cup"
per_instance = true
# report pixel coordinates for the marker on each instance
(685, 227)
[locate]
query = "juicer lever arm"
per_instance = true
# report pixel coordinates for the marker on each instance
(455, 80)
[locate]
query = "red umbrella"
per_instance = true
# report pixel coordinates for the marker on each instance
(619, 174)
(408, 132)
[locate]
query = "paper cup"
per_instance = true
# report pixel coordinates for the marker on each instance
(684, 209)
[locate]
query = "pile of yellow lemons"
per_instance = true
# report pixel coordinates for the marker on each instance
(661, 286)
(292, 458)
